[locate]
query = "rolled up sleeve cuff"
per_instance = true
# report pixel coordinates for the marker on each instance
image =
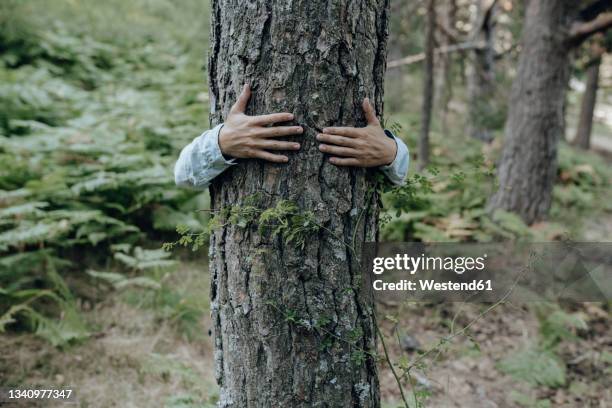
(398, 169)
(201, 161)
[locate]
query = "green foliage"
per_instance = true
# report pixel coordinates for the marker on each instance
(539, 364)
(529, 401)
(583, 184)
(20, 306)
(446, 203)
(87, 156)
(535, 366)
(557, 325)
(121, 281)
(284, 220)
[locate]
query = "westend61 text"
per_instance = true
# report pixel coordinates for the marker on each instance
(432, 285)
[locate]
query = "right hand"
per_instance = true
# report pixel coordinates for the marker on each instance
(250, 137)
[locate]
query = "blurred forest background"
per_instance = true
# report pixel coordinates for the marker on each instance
(97, 99)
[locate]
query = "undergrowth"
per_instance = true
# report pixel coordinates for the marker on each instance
(97, 99)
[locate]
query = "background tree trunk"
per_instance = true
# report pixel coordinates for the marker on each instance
(428, 85)
(585, 124)
(444, 83)
(279, 311)
(481, 72)
(535, 122)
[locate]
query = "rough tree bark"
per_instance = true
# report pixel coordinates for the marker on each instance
(585, 122)
(428, 85)
(290, 324)
(535, 122)
(481, 72)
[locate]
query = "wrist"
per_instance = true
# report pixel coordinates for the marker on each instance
(392, 152)
(222, 143)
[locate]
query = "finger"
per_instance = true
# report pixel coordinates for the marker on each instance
(344, 162)
(275, 158)
(278, 145)
(370, 113)
(280, 131)
(336, 140)
(343, 131)
(243, 99)
(338, 151)
(272, 118)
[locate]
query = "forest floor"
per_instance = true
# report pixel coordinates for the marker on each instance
(469, 373)
(138, 358)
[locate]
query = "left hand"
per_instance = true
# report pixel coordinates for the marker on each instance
(359, 147)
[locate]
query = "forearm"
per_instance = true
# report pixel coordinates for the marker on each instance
(201, 161)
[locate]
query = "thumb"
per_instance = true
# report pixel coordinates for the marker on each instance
(243, 99)
(370, 113)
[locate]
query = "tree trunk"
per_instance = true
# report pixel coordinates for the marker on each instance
(444, 85)
(428, 85)
(585, 124)
(293, 327)
(481, 73)
(535, 122)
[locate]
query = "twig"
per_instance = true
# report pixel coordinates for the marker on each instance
(411, 59)
(397, 378)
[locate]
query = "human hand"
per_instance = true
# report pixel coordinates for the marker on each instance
(359, 147)
(244, 136)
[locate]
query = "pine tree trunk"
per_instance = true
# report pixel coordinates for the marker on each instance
(293, 327)
(428, 85)
(535, 122)
(481, 74)
(585, 124)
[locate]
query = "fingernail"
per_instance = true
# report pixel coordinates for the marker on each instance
(285, 159)
(318, 136)
(325, 130)
(290, 116)
(321, 147)
(299, 130)
(296, 146)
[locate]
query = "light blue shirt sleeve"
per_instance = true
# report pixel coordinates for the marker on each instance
(201, 161)
(398, 169)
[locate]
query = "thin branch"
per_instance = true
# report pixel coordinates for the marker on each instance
(397, 378)
(411, 59)
(594, 9)
(469, 44)
(582, 31)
